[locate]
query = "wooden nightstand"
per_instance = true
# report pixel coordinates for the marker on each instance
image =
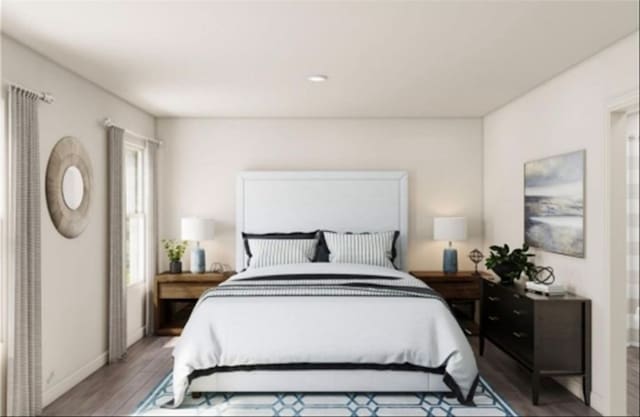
(461, 290)
(175, 295)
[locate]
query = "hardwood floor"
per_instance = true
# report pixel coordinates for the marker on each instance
(512, 382)
(119, 388)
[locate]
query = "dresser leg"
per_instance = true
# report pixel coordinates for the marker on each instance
(586, 390)
(481, 345)
(535, 387)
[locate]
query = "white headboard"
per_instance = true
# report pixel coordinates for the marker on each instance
(289, 201)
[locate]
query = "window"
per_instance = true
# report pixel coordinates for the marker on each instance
(135, 220)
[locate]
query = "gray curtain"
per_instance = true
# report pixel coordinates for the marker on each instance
(117, 289)
(152, 233)
(25, 368)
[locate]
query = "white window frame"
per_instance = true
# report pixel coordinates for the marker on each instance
(137, 146)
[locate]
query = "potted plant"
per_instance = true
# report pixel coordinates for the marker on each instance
(509, 265)
(175, 250)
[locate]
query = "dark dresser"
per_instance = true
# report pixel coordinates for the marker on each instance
(550, 336)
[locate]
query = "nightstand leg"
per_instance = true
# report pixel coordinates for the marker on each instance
(481, 345)
(535, 387)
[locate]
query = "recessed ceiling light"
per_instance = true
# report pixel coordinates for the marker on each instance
(317, 78)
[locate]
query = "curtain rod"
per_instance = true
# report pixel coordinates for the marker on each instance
(44, 96)
(109, 123)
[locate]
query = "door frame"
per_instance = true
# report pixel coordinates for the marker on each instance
(615, 248)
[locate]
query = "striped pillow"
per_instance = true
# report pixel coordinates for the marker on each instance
(362, 248)
(271, 252)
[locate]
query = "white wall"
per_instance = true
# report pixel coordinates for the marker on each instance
(74, 271)
(202, 158)
(564, 114)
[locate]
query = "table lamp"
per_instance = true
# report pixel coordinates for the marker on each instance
(450, 229)
(197, 229)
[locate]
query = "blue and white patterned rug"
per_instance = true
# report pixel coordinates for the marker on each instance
(339, 404)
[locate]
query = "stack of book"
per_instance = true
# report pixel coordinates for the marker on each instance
(546, 289)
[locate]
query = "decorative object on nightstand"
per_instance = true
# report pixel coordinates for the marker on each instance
(450, 229)
(461, 290)
(175, 295)
(197, 229)
(550, 336)
(220, 267)
(476, 257)
(509, 265)
(175, 250)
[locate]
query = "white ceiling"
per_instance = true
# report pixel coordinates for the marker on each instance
(383, 59)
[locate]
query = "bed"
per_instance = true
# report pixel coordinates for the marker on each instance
(323, 326)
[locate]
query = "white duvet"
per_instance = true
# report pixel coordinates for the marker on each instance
(232, 331)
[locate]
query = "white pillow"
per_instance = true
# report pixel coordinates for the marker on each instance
(362, 248)
(271, 252)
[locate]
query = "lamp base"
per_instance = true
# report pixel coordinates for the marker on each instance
(197, 261)
(450, 261)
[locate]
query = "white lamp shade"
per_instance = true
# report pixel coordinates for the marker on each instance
(197, 229)
(450, 228)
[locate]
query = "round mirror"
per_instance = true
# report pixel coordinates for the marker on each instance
(72, 187)
(69, 183)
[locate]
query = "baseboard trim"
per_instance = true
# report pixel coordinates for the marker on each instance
(135, 336)
(574, 386)
(3, 363)
(56, 391)
(598, 403)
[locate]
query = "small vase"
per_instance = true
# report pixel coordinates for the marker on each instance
(175, 267)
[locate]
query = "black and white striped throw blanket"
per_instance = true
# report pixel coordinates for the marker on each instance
(322, 285)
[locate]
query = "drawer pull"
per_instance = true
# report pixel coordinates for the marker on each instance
(491, 284)
(517, 312)
(493, 318)
(518, 335)
(494, 298)
(516, 295)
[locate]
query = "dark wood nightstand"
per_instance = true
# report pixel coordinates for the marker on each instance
(175, 295)
(462, 290)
